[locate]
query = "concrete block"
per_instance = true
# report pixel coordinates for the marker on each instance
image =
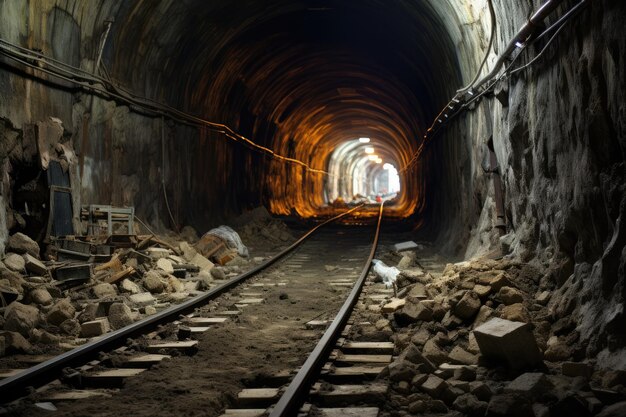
(165, 265)
(508, 341)
(408, 245)
(142, 299)
(412, 312)
(14, 262)
(434, 386)
(461, 356)
(393, 305)
(34, 265)
(95, 328)
(530, 384)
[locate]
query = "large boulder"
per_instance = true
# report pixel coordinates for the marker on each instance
(104, 290)
(470, 405)
(130, 287)
(40, 296)
(510, 295)
(20, 243)
(20, 318)
(516, 312)
(412, 312)
(15, 343)
(60, 312)
(468, 306)
(14, 262)
(152, 282)
(120, 315)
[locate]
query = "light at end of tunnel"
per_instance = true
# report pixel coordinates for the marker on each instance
(364, 140)
(369, 150)
(372, 157)
(387, 166)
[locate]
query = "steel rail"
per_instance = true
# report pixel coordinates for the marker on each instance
(290, 402)
(17, 386)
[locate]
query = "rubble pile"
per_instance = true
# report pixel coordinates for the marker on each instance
(84, 289)
(258, 229)
(484, 338)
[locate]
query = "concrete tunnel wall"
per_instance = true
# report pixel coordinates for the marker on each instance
(558, 127)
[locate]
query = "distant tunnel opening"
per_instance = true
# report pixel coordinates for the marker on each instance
(359, 172)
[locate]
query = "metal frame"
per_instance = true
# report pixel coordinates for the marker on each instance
(53, 190)
(110, 211)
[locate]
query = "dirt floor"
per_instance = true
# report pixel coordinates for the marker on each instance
(264, 340)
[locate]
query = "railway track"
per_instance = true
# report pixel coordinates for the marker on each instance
(73, 378)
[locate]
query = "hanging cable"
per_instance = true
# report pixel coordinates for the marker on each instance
(492, 13)
(457, 105)
(106, 88)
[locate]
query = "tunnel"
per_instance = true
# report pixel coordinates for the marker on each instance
(489, 128)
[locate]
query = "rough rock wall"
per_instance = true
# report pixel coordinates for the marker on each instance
(120, 150)
(559, 135)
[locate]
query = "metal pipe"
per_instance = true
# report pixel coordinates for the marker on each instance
(103, 42)
(523, 34)
(492, 13)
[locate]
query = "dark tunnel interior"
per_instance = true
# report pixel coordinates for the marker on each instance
(301, 80)
(494, 131)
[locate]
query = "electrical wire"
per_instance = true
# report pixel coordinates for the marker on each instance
(457, 107)
(105, 87)
(492, 13)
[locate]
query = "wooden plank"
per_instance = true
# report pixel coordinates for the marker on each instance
(379, 347)
(389, 291)
(251, 412)
(184, 345)
(74, 395)
(366, 371)
(369, 394)
(258, 393)
(250, 301)
(115, 373)
(378, 297)
(228, 313)
(204, 321)
(197, 330)
(32, 359)
(363, 358)
(317, 324)
(110, 377)
(251, 294)
(145, 361)
(257, 397)
(7, 373)
(348, 412)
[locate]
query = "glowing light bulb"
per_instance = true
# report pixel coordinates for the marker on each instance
(364, 140)
(378, 160)
(369, 150)
(372, 157)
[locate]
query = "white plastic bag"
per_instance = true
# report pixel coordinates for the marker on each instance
(231, 238)
(388, 274)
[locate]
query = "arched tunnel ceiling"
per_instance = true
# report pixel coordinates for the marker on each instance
(298, 77)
